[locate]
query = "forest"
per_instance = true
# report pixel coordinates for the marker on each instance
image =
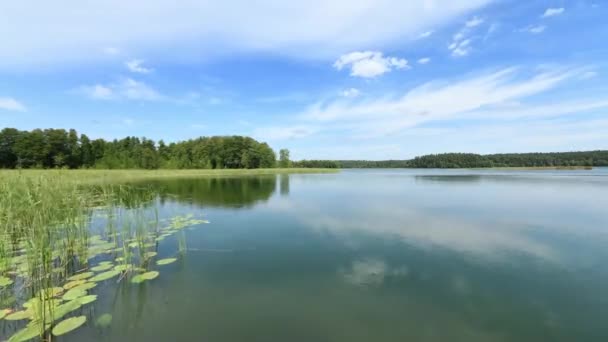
(58, 148)
(470, 160)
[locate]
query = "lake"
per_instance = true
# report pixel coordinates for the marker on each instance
(372, 255)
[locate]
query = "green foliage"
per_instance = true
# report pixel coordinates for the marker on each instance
(58, 148)
(284, 158)
(470, 160)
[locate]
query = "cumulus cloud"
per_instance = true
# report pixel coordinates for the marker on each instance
(369, 64)
(136, 65)
(312, 29)
(551, 12)
(9, 103)
(424, 60)
(475, 21)
(127, 89)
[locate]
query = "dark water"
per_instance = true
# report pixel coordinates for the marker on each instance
(376, 255)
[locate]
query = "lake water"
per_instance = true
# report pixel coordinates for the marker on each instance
(375, 255)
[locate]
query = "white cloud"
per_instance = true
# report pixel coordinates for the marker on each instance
(128, 89)
(461, 41)
(312, 29)
(424, 60)
(284, 132)
(351, 92)
(8, 103)
(475, 21)
(369, 64)
(535, 29)
(441, 101)
(135, 65)
(551, 12)
(128, 121)
(425, 34)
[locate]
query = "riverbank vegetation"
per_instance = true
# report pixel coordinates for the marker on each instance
(470, 160)
(57, 148)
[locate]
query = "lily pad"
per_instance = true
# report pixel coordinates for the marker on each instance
(148, 255)
(4, 312)
(85, 286)
(166, 261)
(105, 276)
(100, 268)
(81, 276)
(73, 284)
(4, 281)
(19, 315)
(122, 268)
(66, 308)
(140, 278)
(29, 332)
(74, 293)
(104, 320)
(87, 299)
(51, 292)
(68, 325)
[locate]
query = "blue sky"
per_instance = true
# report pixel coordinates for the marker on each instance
(347, 79)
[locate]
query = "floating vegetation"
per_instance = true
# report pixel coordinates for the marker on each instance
(100, 267)
(19, 315)
(81, 276)
(29, 332)
(53, 233)
(73, 294)
(87, 299)
(104, 320)
(105, 276)
(4, 281)
(166, 261)
(68, 325)
(4, 312)
(140, 278)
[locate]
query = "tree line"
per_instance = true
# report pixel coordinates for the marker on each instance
(471, 160)
(58, 148)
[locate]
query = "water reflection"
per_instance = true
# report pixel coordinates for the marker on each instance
(243, 192)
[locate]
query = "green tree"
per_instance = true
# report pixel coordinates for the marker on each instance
(284, 158)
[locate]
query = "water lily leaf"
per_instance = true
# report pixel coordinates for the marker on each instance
(81, 276)
(66, 308)
(73, 284)
(148, 255)
(4, 281)
(85, 286)
(104, 320)
(133, 245)
(29, 332)
(51, 292)
(120, 259)
(74, 293)
(140, 278)
(19, 315)
(87, 299)
(166, 261)
(4, 312)
(100, 268)
(122, 268)
(68, 325)
(105, 263)
(105, 276)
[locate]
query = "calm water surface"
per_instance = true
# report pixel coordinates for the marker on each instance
(376, 255)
